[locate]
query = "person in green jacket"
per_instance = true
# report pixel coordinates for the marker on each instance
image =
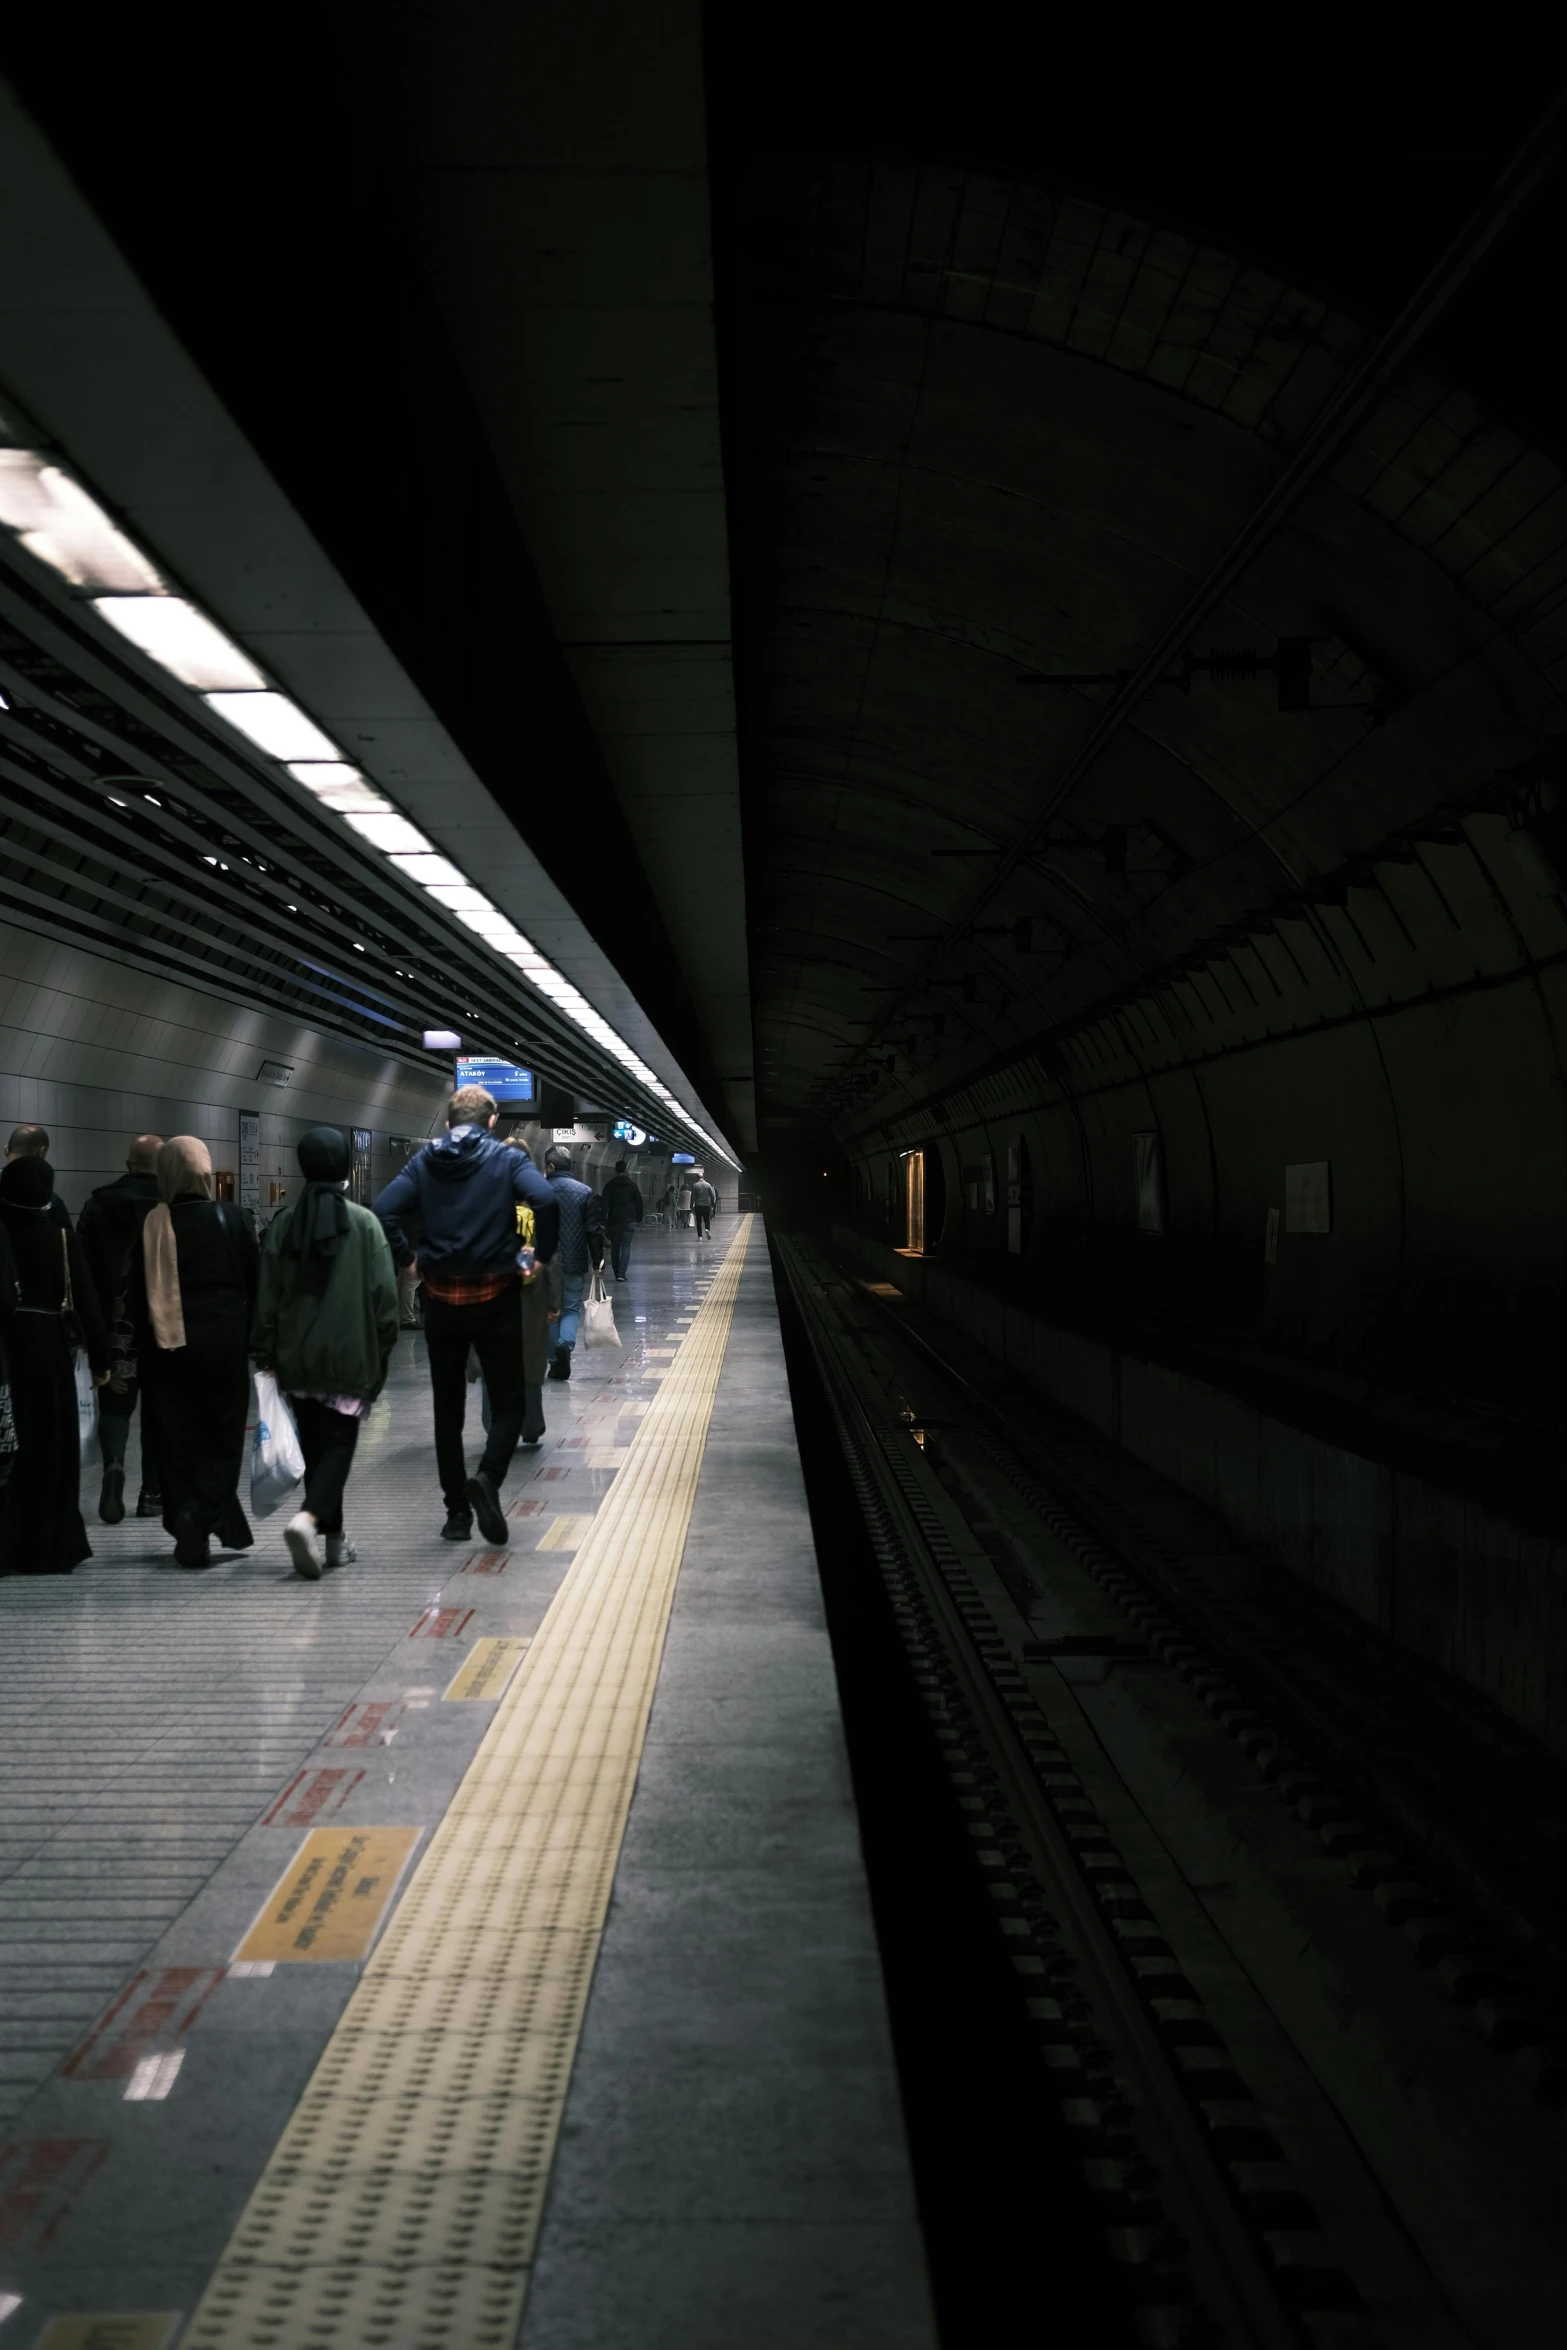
(326, 1324)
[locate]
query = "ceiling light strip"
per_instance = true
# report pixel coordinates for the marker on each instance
(58, 522)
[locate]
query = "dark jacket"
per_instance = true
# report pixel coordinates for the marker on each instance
(622, 1202)
(40, 1244)
(465, 1187)
(215, 1250)
(327, 1325)
(108, 1227)
(581, 1223)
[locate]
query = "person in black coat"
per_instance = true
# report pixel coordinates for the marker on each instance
(44, 1533)
(192, 1298)
(621, 1201)
(109, 1227)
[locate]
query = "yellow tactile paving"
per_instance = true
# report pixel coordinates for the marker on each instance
(402, 2203)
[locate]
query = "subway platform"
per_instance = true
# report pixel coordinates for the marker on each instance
(473, 1948)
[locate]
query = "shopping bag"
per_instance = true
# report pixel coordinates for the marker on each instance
(598, 1316)
(276, 1462)
(86, 1413)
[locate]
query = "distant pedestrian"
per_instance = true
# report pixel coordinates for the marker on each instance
(581, 1251)
(326, 1324)
(192, 1298)
(704, 1199)
(466, 1187)
(44, 1533)
(110, 1228)
(683, 1203)
(621, 1200)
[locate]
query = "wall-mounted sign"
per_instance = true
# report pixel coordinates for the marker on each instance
(502, 1079)
(442, 1040)
(626, 1132)
(1308, 1197)
(276, 1073)
(249, 1159)
(681, 1159)
(579, 1134)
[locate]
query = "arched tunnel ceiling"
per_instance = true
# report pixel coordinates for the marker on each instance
(989, 428)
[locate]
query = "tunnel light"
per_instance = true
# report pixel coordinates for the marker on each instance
(181, 640)
(391, 832)
(58, 522)
(274, 724)
(428, 870)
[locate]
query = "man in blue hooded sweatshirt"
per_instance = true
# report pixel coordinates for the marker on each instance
(466, 1187)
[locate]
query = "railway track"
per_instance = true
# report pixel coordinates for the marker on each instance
(1298, 2028)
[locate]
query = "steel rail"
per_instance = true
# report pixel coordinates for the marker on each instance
(1228, 2268)
(1520, 180)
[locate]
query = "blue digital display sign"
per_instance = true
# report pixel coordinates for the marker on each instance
(502, 1079)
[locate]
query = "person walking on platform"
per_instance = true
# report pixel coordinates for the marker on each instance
(326, 1324)
(56, 1311)
(32, 1142)
(704, 1199)
(581, 1251)
(110, 1227)
(621, 1201)
(466, 1188)
(192, 1298)
(683, 1203)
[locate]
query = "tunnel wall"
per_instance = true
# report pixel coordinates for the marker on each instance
(1463, 1585)
(97, 1052)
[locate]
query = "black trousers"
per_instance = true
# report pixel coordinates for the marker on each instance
(704, 1222)
(327, 1440)
(115, 1413)
(494, 1331)
(620, 1237)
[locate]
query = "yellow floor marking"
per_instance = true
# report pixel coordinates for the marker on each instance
(566, 1533)
(654, 1352)
(487, 1668)
(632, 1411)
(401, 2206)
(608, 1456)
(142, 2329)
(331, 1897)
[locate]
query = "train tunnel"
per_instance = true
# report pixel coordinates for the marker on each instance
(951, 621)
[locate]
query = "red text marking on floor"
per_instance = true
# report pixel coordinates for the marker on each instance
(551, 1474)
(368, 1723)
(485, 1562)
(441, 1623)
(156, 2008)
(572, 1443)
(311, 1796)
(526, 1509)
(40, 2179)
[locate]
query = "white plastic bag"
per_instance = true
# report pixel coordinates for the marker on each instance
(276, 1461)
(598, 1316)
(86, 1412)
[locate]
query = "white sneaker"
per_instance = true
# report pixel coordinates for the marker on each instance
(340, 1552)
(300, 1535)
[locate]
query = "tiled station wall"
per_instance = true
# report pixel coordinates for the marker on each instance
(1463, 1586)
(97, 1051)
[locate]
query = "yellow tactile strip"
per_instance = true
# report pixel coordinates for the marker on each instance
(402, 2204)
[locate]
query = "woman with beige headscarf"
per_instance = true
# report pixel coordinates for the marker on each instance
(193, 1290)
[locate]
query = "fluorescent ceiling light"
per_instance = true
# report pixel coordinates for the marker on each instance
(428, 870)
(392, 832)
(181, 640)
(459, 897)
(274, 724)
(487, 920)
(323, 774)
(66, 529)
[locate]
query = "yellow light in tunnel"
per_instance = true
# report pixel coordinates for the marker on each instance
(181, 640)
(63, 527)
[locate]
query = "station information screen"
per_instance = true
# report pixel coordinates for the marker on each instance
(503, 1079)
